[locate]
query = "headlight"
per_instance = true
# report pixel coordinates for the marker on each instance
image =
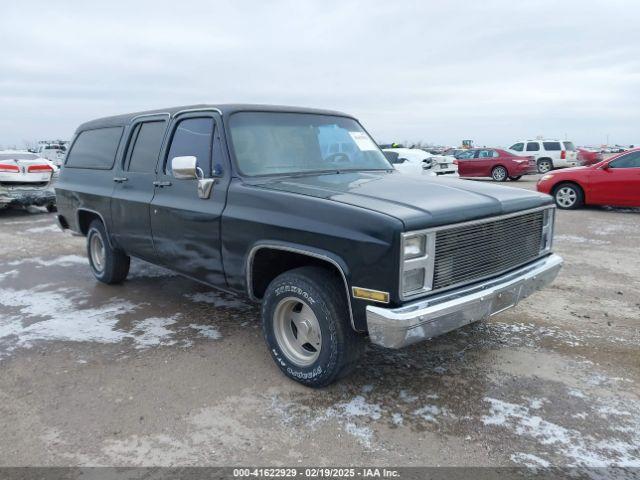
(416, 270)
(546, 177)
(414, 246)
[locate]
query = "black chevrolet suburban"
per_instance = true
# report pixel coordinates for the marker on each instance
(299, 209)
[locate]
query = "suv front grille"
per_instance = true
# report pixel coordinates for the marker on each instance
(479, 250)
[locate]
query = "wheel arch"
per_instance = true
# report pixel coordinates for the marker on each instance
(84, 217)
(573, 182)
(288, 256)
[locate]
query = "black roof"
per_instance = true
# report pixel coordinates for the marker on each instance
(226, 109)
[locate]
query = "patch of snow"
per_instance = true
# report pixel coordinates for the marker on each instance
(36, 315)
(581, 449)
(7, 274)
(405, 397)
(431, 412)
(529, 460)
(359, 407)
(152, 332)
(47, 229)
(574, 392)
(397, 419)
(217, 299)
(206, 331)
(63, 261)
(363, 434)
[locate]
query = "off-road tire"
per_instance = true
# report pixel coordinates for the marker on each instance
(115, 266)
(324, 293)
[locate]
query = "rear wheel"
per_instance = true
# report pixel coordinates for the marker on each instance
(499, 173)
(107, 264)
(544, 165)
(306, 325)
(516, 178)
(568, 196)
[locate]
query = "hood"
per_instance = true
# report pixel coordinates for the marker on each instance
(573, 169)
(416, 200)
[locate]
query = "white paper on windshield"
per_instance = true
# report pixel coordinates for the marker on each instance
(363, 141)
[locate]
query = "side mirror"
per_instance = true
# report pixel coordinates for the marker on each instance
(184, 168)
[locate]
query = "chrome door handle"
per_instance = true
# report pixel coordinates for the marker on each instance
(120, 179)
(161, 184)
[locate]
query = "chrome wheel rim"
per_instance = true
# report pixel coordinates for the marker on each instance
(297, 331)
(544, 167)
(98, 255)
(499, 174)
(566, 197)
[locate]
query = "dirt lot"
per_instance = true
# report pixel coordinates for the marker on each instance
(163, 371)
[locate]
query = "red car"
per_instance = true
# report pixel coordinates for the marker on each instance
(615, 181)
(588, 157)
(495, 163)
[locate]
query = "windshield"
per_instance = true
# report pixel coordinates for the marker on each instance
(267, 143)
(18, 156)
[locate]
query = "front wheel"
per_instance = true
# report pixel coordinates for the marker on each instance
(306, 325)
(499, 174)
(568, 196)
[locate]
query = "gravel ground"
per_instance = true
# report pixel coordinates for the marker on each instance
(163, 371)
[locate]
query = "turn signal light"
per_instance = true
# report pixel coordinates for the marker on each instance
(366, 294)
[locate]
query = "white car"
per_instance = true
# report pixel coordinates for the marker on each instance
(549, 154)
(417, 161)
(27, 179)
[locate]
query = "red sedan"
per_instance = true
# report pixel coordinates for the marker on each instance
(615, 181)
(495, 163)
(588, 157)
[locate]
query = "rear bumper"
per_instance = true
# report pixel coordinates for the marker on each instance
(26, 197)
(433, 316)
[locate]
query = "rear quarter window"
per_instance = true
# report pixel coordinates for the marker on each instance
(552, 146)
(569, 146)
(95, 149)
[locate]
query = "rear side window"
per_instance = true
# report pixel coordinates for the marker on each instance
(533, 147)
(569, 146)
(193, 137)
(517, 147)
(552, 146)
(148, 140)
(95, 149)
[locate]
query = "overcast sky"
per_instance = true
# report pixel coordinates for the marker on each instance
(491, 71)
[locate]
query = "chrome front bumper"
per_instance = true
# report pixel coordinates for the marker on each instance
(439, 314)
